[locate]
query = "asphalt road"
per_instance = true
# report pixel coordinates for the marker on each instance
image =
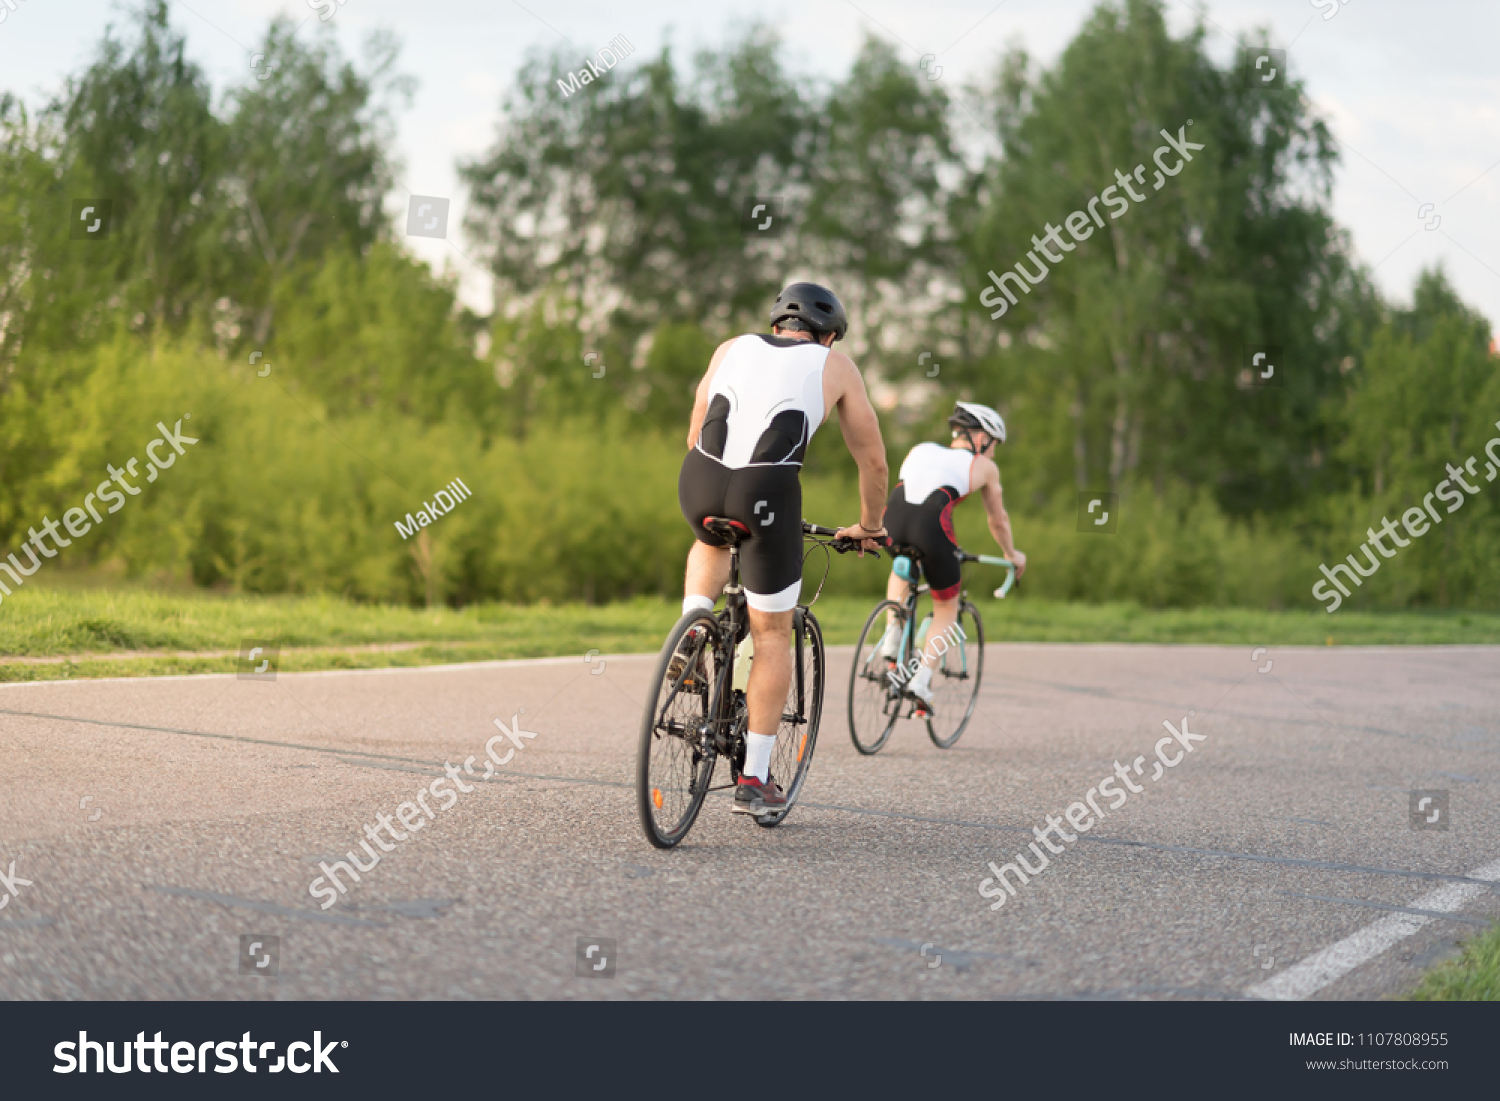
(160, 821)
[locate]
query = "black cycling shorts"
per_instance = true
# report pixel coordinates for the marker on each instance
(929, 528)
(767, 499)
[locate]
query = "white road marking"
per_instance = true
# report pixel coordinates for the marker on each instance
(1305, 979)
(495, 664)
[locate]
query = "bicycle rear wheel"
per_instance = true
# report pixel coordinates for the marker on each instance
(676, 756)
(874, 702)
(955, 678)
(798, 733)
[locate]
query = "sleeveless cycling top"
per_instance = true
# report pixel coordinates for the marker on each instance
(765, 402)
(930, 467)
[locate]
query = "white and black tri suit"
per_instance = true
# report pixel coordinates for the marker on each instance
(919, 513)
(765, 403)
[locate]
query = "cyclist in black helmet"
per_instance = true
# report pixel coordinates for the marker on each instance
(933, 480)
(761, 400)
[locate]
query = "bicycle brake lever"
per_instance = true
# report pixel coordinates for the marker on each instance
(845, 545)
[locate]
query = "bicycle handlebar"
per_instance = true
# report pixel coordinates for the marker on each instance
(843, 546)
(991, 560)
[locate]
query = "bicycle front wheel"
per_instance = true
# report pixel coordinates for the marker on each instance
(675, 759)
(798, 733)
(874, 700)
(955, 677)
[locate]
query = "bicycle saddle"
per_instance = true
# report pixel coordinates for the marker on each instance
(731, 531)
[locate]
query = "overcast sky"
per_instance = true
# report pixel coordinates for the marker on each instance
(1412, 91)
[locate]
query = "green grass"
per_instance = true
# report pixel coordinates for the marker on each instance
(1473, 977)
(79, 622)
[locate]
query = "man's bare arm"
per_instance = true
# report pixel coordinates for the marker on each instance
(861, 429)
(997, 517)
(700, 402)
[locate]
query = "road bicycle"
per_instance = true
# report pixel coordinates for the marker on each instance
(878, 693)
(697, 711)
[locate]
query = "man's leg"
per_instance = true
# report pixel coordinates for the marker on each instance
(770, 671)
(944, 616)
(895, 589)
(707, 574)
(770, 676)
(890, 642)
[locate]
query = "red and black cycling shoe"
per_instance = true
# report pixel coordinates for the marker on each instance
(751, 796)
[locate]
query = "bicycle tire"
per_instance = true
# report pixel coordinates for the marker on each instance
(681, 739)
(808, 653)
(955, 684)
(873, 703)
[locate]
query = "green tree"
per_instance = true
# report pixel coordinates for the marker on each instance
(876, 219)
(377, 332)
(307, 165)
(1129, 351)
(137, 129)
(1426, 393)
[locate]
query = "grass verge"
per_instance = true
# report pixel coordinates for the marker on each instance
(1473, 977)
(91, 628)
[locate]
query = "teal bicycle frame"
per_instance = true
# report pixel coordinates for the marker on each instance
(909, 637)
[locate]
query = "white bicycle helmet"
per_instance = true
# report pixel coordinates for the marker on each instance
(968, 414)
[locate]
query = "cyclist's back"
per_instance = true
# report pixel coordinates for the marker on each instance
(932, 468)
(757, 407)
(765, 402)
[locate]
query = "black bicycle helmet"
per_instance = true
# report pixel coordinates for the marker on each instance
(817, 307)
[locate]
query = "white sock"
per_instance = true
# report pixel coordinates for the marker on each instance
(758, 755)
(921, 679)
(693, 602)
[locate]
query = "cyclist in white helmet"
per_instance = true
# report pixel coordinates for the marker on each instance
(919, 514)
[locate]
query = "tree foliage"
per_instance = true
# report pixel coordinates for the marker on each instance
(252, 277)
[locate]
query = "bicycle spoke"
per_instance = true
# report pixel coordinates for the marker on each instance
(873, 708)
(798, 732)
(955, 681)
(676, 759)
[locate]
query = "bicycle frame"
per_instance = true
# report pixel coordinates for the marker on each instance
(735, 625)
(908, 644)
(914, 589)
(714, 724)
